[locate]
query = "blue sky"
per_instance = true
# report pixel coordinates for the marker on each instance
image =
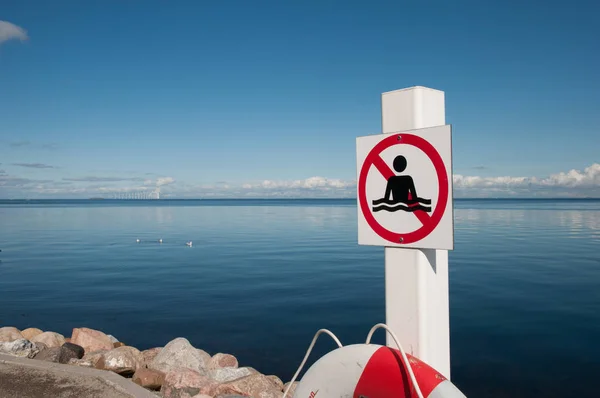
(266, 98)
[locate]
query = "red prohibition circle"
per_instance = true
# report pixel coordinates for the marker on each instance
(429, 223)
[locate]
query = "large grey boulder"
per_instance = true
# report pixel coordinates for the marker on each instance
(19, 348)
(179, 353)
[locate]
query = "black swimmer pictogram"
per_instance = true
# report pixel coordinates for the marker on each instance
(400, 192)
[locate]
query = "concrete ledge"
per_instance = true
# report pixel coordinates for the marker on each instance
(29, 378)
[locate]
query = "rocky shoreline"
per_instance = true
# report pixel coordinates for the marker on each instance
(177, 370)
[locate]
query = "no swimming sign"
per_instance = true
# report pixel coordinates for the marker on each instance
(404, 189)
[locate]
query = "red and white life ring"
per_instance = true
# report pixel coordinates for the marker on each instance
(372, 371)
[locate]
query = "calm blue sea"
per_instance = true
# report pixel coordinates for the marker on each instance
(263, 276)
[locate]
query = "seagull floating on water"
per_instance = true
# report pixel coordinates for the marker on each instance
(160, 240)
(137, 240)
(189, 243)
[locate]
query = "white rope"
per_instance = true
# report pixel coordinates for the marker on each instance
(406, 363)
(308, 353)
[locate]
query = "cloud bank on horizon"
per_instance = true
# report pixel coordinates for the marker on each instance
(564, 184)
(572, 183)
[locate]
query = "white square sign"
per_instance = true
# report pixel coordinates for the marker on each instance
(404, 189)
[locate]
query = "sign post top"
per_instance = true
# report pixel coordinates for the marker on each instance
(412, 108)
(413, 88)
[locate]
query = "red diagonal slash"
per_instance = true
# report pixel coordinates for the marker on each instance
(387, 173)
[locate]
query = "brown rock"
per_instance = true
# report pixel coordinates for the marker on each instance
(221, 360)
(58, 354)
(256, 385)
(149, 355)
(118, 344)
(148, 378)
(9, 333)
(123, 360)
(29, 333)
(202, 396)
(91, 340)
(292, 389)
(67, 339)
(41, 346)
(51, 339)
(276, 381)
(185, 383)
(76, 351)
(51, 354)
(94, 357)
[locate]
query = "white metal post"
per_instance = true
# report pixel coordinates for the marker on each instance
(416, 280)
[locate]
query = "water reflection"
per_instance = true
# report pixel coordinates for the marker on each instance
(323, 216)
(579, 220)
(163, 215)
(575, 221)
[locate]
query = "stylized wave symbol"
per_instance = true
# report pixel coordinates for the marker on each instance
(401, 207)
(406, 202)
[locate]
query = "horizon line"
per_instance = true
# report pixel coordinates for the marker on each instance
(298, 198)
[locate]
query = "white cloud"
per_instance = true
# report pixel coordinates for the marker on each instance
(312, 183)
(313, 187)
(101, 179)
(17, 187)
(590, 177)
(9, 31)
(584, 182)
(164, 181)
(307, 188)
(34, 165)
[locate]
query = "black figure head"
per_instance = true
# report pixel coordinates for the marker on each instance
(400, 163)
